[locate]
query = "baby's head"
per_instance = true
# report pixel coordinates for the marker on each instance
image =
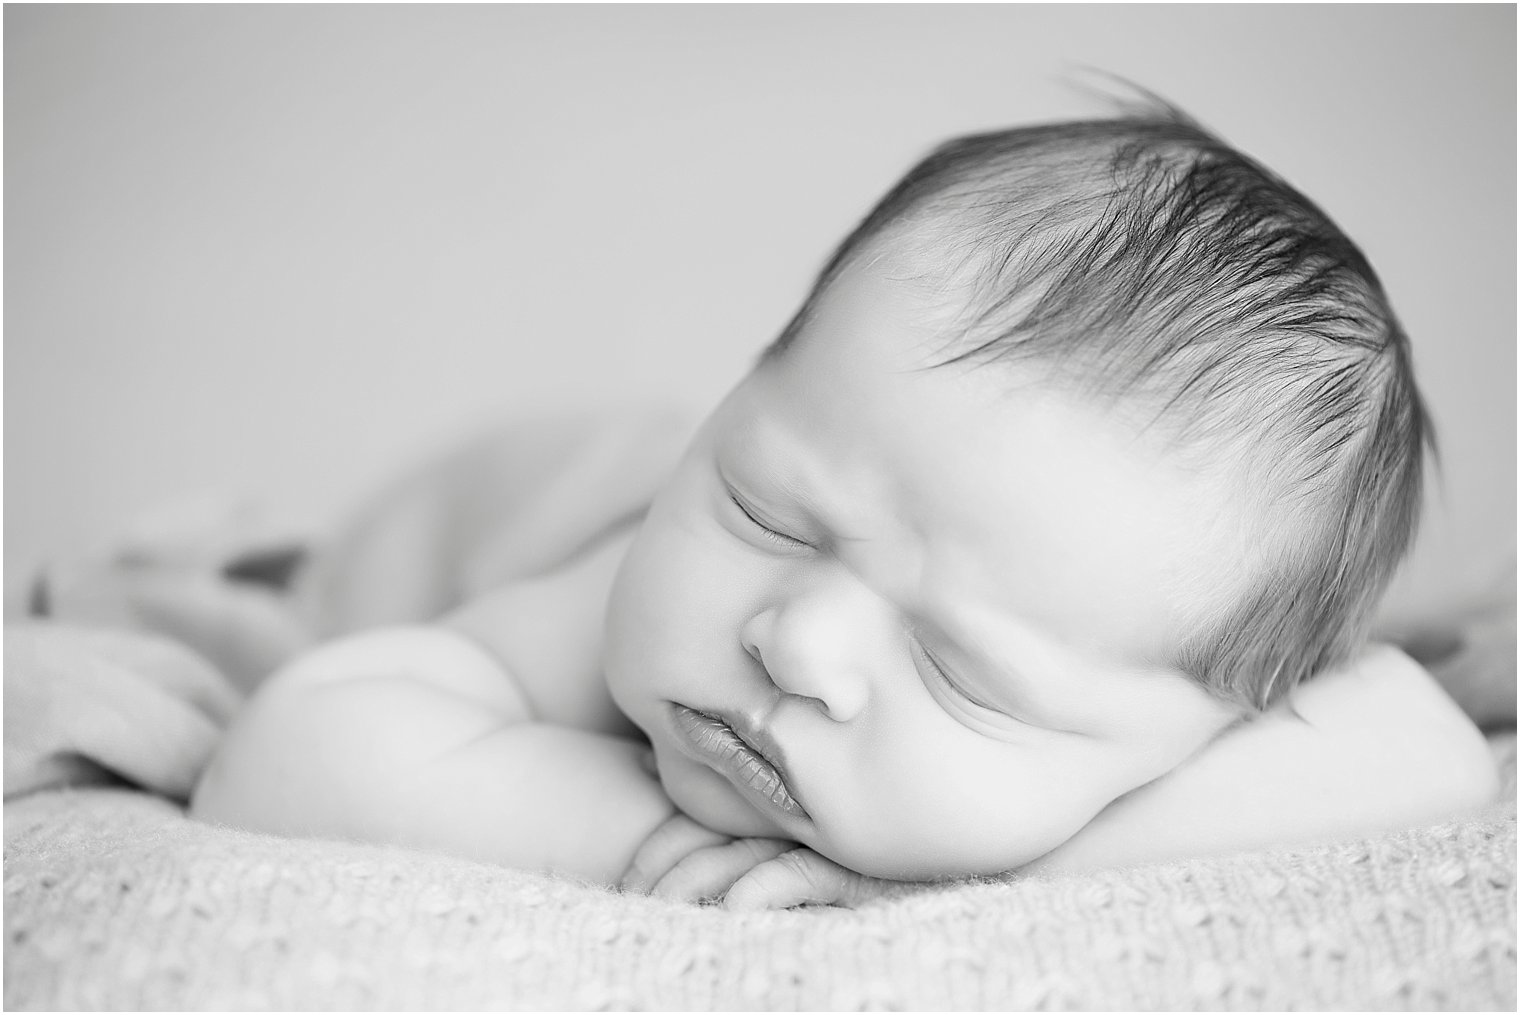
(1091, 439)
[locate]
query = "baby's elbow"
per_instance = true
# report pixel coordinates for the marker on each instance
(1447, 763)
(287, 765)
(1470, 774)
(324, 748)
(245, 785)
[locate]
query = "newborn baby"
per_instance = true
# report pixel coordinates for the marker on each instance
(1045, 536)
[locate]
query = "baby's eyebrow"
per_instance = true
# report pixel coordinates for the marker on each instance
(775, 490)
(786, 478)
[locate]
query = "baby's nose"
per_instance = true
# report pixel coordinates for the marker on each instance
(806, 656)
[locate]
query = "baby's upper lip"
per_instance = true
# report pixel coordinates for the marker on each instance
(758, 735)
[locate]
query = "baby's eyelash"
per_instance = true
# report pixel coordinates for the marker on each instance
(769, 533)
(944, 677)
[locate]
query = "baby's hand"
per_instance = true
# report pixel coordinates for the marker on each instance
(802, 877)
(689, 862)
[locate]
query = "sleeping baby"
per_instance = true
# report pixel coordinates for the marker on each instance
(1046, 536)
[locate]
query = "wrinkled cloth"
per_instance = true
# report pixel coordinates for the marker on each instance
(84, 705)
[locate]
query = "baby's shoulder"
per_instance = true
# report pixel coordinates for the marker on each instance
(546, 632)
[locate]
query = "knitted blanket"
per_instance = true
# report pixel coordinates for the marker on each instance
(114, 900)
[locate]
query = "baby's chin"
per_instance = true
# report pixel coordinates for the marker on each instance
(707, 798)
(927, 864)
(948, 849)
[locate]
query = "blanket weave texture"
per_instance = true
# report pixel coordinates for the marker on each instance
(113, 900)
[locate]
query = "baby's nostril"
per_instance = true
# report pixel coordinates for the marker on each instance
(818, 703)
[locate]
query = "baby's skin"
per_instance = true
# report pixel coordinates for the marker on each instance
(883, 623)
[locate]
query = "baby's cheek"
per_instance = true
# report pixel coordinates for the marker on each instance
(956, 815)
(626, 649)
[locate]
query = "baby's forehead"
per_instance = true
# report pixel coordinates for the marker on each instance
(1208, 410)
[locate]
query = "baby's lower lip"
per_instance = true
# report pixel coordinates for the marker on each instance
(714, 742)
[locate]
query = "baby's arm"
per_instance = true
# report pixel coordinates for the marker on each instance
(1369, 748)
(416, 737)
(489, 736)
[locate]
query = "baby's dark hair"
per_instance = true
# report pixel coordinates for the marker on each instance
(1143, 261)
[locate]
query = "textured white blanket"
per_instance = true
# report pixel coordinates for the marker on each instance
(114, 900)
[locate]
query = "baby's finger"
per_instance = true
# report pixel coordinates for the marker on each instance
(797, 878)
(665, 847)
(708, 873)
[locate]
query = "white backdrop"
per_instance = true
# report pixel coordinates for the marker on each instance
(282, 249)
